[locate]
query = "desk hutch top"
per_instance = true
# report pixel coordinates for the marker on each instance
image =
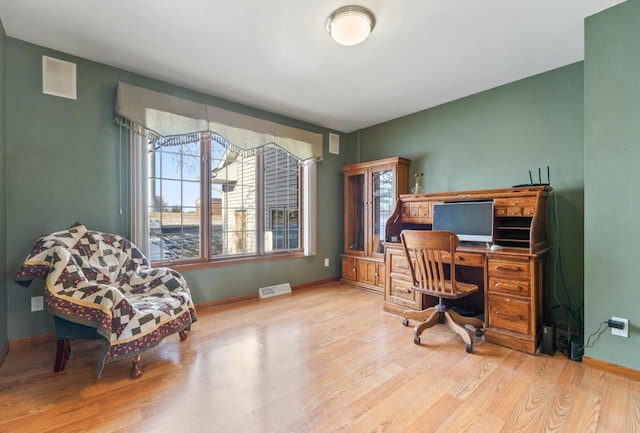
(520, 214)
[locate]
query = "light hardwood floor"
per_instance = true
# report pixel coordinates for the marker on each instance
(323, 359)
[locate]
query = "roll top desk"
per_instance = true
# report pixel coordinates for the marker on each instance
(513, 279)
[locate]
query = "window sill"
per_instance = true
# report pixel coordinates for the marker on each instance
(234, 261)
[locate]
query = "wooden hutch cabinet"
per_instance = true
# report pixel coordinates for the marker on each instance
(371, 190)
(512, 279)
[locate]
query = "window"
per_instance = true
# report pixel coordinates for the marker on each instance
(197, 198)
(281, 200)
(282, 229)
(209, 201)
(174, 202)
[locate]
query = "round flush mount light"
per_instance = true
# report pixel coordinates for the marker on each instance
(350, 25)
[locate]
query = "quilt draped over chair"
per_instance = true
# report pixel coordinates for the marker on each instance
(103, 281)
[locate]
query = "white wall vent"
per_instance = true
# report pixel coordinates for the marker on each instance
(279, 289)
(334, 143)
(58, 78)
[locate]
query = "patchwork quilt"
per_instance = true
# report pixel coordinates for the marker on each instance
(103, 281)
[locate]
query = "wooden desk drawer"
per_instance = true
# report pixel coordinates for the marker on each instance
(466, 259)
(416, 212)
(508, 268)
(406, 210)
(400, 293)
(420, 209)
(399, 265)
(515, 206)
(509, 313)
(514, 211)
(401, 287)
(516, 287)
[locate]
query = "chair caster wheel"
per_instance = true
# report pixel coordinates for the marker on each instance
(479, 333)
(416, 340)
(468, 348)
(405, 322)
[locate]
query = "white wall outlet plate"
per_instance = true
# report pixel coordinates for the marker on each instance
(37, 303)
(326, 263)
(624, 332)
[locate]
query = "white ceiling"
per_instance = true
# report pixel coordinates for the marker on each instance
(276, 54)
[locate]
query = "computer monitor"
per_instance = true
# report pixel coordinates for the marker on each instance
(472, 221)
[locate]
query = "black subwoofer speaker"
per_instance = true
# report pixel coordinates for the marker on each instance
(549, 338)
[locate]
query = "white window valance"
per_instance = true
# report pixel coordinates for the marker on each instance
(172, 118)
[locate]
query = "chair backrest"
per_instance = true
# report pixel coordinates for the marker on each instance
(424, 250)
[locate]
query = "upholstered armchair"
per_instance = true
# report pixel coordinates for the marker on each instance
(100, 286)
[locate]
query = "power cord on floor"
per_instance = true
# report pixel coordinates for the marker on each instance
(573, 315)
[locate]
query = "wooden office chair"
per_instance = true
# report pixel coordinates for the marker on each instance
(425, 250)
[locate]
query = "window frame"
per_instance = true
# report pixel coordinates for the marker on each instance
(306, 240)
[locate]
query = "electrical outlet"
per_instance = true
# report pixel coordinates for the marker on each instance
(624, 332)
(326, 263)
(37, 303)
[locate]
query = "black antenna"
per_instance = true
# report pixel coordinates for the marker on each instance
(539, 179)
(548, 176)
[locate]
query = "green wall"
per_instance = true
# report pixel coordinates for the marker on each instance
(3, 190)
(63, 166)
(612, 192)
(492, 140)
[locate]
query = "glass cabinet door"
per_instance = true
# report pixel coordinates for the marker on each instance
(355, 212)
(383, 206)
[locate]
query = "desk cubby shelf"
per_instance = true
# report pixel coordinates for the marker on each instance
(513, 231)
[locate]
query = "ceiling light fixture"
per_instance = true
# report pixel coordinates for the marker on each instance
(350, 25)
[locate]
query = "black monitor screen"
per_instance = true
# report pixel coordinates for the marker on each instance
(471, 221)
